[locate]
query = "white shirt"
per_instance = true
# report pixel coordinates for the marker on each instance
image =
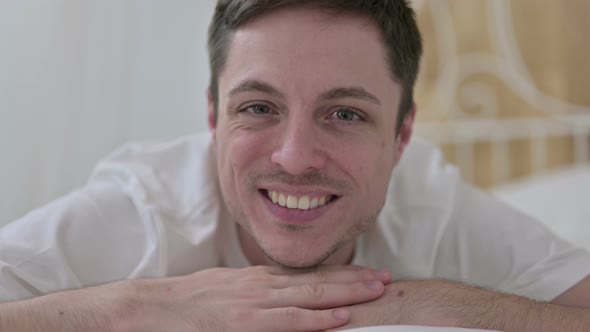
(154, 210)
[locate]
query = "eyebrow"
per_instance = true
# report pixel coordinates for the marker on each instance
(351, 92)
(255, 86)
(335, 93)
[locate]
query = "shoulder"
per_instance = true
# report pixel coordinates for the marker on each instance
(172, 187)
(423, 178)
(174, 174)
(164, 155)
(416, 213)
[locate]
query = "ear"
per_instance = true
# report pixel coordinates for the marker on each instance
(405, 133)
(211, 114)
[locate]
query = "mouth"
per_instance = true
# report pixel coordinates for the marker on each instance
(298, 202)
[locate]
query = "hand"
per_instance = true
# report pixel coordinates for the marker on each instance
(427, 303)
(252, 299)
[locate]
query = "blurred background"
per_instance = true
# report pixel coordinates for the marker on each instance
(512, 75)
(504, 90)
(80, 77)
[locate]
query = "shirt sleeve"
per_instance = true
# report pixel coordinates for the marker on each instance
(490, 244)
(91, 236)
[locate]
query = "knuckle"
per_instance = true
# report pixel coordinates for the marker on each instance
(357, 268)
(263, 294)
(366, 275)
(257, 279)
(280, 280)
(315, 291)
(254, 278)
(291, 314)
(258, 275)
(321, 275)
(259, 269)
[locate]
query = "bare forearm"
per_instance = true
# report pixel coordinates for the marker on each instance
(79, 310)
(446, 303)
(520, 314)
(478, 308)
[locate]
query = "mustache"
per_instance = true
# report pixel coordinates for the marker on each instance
(312, 178)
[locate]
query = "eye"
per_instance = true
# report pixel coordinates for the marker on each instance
(346, 115)
(257, 109)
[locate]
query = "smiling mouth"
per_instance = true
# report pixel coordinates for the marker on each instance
(304, 202)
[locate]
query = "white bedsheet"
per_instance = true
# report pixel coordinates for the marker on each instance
(560, 199)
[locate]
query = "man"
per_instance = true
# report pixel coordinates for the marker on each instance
(310, 109)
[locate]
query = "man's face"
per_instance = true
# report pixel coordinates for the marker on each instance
(307, 114)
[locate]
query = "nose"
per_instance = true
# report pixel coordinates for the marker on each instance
(299, 149)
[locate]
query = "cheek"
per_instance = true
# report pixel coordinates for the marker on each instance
(372, 159)
(370, 166)
(240, 150)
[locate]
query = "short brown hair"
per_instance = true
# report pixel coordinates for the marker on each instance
(395, 19)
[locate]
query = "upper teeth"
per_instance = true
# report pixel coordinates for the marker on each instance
(294, 202)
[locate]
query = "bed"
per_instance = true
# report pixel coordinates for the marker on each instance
(539, 165)
(503, 90)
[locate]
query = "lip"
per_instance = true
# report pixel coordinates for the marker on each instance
(299, 191)
(295, 216)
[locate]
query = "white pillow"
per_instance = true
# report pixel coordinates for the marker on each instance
(560, 199)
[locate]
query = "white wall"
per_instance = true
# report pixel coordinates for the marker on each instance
(80, 77)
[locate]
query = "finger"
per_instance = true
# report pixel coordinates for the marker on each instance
(384, 275)
(278, 270)
(322, 296)
(293, 319)
(349, 267)
(335, 276)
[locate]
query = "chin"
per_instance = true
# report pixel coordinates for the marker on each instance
(296, 263)
(293, 257)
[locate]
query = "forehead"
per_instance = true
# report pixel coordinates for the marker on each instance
(305, 48)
